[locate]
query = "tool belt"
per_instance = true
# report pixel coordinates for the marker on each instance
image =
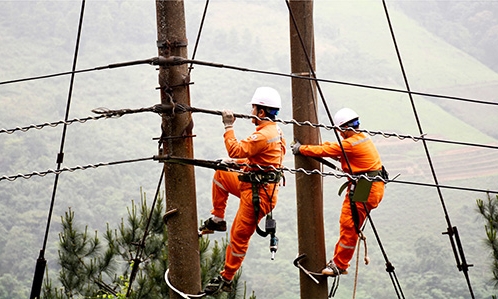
(359, 190)
(261, 177)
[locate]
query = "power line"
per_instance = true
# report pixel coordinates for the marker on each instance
(180, 60)
(151, 61)
(174, 60)
(179, 108)
(287, 169)
(70, 169)
(52, 124)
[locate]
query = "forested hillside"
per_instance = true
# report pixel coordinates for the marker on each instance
(353, 45)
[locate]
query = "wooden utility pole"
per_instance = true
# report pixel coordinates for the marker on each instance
(183, 241)
(309, 189)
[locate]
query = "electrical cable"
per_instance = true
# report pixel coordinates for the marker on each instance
(197, 40)
(41, 262)
(179, 108)
(174, 60)
(70, 169)
(52, 124)
(451, 231)
(107, 113)
(284, 168)
(151, 61)
(180, 60)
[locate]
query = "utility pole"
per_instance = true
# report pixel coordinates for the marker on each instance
(309, 189)
(183, 241)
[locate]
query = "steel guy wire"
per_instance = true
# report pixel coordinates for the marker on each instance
(197, 40)
(141, 246)
(451, 231)
(41, 262)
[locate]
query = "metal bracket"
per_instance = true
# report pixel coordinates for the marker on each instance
(168, 214)
(170, 45)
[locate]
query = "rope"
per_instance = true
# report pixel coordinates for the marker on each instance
(357, 268)
(182, 294)
(451, 231)
(361, 237)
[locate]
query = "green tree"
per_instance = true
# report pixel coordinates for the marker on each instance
(124, 263)
(489, 211)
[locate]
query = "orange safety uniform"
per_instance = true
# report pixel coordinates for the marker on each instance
(265, 147)
(363, 157)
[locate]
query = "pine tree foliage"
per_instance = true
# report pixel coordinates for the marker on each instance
(91, 268)
(489, 211)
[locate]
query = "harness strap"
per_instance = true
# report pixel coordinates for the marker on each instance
(354, 214)
(261, 177)
(257, 179)
(364, 186)
(256, 204)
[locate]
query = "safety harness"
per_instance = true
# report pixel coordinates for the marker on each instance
(359, 190)
(259, 179)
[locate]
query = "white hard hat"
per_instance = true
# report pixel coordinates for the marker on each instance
(344, 116)
(267, 96)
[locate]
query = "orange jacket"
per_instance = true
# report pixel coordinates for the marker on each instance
(360, 151)
(265, 147)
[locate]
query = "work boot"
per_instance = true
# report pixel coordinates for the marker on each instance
(218, 284)
(210, 226)
(332, 270)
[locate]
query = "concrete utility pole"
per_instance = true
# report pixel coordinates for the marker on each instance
(308, 188)
(183, 241)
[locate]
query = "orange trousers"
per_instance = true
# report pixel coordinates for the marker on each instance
(244, 223)
(348, 237)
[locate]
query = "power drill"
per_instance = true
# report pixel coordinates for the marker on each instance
(271, 228)
(273, 245)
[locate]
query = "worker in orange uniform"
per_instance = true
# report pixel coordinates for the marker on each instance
(362, 196)
(265, 147)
